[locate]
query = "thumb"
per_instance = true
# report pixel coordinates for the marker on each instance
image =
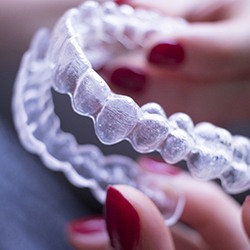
(133, 221)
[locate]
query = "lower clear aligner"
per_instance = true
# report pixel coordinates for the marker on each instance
(61, 59)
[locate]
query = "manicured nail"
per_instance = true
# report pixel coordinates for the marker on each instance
(129, 79)
(159, 167)
(167, 54)
(122, 220)
(121, 1)
(89, 225)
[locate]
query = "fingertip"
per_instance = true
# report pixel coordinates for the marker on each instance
(246, 215)
(134, 221)
(122, 219)
(88, 234)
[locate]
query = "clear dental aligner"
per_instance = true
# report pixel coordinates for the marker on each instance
(60, 59)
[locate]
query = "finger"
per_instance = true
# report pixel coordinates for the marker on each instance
(216, 217)
(186, 238)
(88, 234)
(161, 5)
(246, 215)
(201, 52)
(126, 74)
(133, 221)
(192, 10)
(208, 210)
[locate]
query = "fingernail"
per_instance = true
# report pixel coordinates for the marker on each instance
(159, 167)
(121, 1)
(167, 54)
(122, 221)
(130, 79)
(90, 225)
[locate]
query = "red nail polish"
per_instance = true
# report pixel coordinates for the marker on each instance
(121, 1)
(122, 221)
(167, 54)
(159, 167)
(88, 225)
(129, 79)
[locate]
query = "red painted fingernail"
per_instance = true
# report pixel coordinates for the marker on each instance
(121, 1)
(87, 225)
(167, 54)
(159, 167)
(122, 220)
(130, 79)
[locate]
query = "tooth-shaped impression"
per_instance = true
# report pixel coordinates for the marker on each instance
(149, 133)
(236, 178)
(71, 64)
(90, 94)
(117, 119)
(176, 146)
(212, 152)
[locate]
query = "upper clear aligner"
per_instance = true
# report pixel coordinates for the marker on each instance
(61, 59)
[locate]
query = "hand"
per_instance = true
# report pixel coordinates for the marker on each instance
(211, 220)
(202, 70)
